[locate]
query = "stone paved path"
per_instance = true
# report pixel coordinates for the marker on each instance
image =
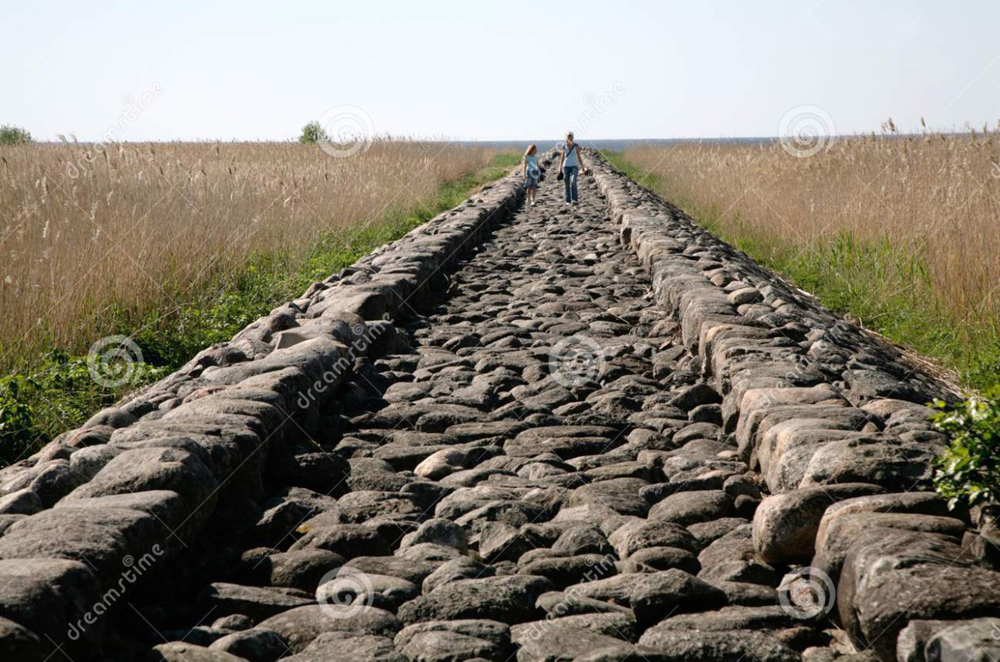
(525, 512)
(544, 463)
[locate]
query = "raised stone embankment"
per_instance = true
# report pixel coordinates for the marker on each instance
(560, 432)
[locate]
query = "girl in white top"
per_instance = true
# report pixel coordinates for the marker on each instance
(529, 168)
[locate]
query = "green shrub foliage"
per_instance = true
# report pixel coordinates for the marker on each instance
(969, 471)
(14, 135)
(312, 133)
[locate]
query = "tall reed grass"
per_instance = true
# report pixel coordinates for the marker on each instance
(91, 235)
(902, 232)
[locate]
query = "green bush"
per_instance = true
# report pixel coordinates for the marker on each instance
(969, 471)
(14, 135)
(312, 133)
(59, 395)
(17, 418)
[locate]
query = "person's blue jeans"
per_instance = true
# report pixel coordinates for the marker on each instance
(569, 178)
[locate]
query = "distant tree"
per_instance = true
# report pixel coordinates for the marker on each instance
(14, 135)
(312, 133)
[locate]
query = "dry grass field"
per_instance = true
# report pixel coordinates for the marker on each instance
(178, 246)
(85, 232)
(902, 232)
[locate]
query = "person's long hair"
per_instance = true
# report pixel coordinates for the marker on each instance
(532, 148)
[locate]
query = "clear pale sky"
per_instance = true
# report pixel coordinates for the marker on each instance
(494, 70)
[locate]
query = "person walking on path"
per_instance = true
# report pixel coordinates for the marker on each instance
(570, 165)
(529, 168)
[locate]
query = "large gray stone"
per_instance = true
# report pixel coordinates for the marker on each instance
(758, 618)
(566, 638)
(785, 525)
(492, 631)
(21, 502)
(181, 652)
(259, 603)
(315, 358)
(102, 538)
(582, 540)
(454, 570)
(655, 559)
(411, 570)
(506, 599)
(672, 645)
(19, 643)
(974, 640)
(687, 508)
(53, 600)
(565, 441)
(444, 641)
(641, 534)
(557, 604)
(565, 571)
(896, 465)
(301, 569)
(54, 480)
(349, 646)
(352, 587)
(619, 494)
(145, 469)
(254, 645)
(300, 626)
(440, 532)
(907, 576)
(845, 531)
(672, 591)
(167, 507)
(915, 503)
(346, 540)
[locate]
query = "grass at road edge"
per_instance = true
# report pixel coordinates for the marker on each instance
(58, 392)
(881, 285)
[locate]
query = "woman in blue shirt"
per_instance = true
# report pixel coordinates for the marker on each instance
(570, 165)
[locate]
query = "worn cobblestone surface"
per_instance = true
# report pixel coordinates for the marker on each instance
(552, 432)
